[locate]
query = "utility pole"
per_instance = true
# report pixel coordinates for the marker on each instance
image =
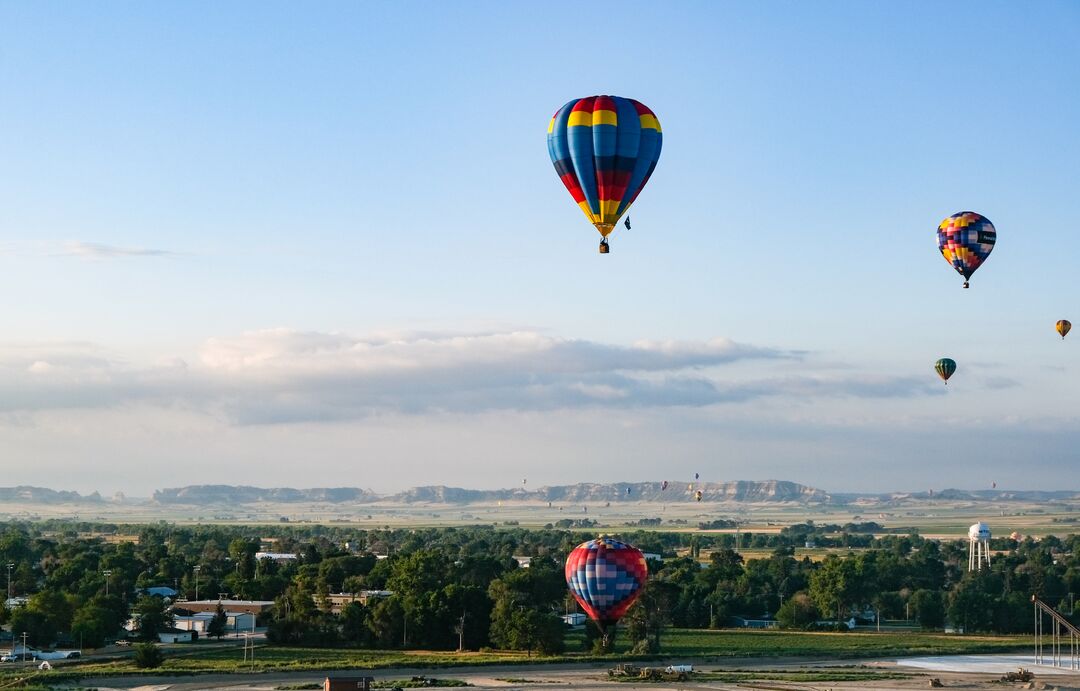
(24, 636)
(404, 629)
(197, 569)
(107, 574)
(10, 566)
(461, 632)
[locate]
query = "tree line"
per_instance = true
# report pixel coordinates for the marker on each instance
(462, 588)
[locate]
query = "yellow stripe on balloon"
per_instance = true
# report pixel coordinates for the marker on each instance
(608, 209)
(649, 122)
(605, 117)
(593, 218)
(579, 118)
(551, 126)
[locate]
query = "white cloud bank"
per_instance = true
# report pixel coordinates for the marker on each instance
(286, 376)
(97, 250)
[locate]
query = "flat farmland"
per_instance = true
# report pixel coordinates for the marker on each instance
(931, 518)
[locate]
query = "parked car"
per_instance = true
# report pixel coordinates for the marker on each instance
(19, 657)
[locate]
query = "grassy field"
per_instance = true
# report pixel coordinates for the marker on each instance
(728, 643)
(678, 643)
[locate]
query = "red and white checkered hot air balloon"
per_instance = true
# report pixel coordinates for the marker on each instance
(606, 577)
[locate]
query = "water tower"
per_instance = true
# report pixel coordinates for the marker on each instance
(978, 546)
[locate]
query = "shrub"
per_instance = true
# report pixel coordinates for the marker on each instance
(148, 656)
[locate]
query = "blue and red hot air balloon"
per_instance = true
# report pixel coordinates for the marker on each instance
(606, 576)
(604, 149)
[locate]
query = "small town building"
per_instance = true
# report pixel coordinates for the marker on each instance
(175, 636)
(339, 600)
(235, 622)
(255, 607)
(279, 557)
(749, 623)
(575, 619)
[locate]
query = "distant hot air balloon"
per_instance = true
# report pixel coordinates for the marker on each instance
(606, 577)
(1063, 327)
(663, 485)
(945, 368)
(628, 491)
(698, 495)
(966, 240)
(604, 149)
(696, 476)
(523, 481)
(993, 485)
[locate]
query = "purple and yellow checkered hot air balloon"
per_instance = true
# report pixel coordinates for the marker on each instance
(966, 240)
(604, 149)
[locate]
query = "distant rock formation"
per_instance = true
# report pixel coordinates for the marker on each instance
(42, 495)
(232, 494)
(582, 493)
(774, 491)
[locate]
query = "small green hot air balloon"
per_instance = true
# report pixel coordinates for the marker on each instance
(945, 368)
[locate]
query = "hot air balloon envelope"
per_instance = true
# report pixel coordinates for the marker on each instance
(604, 149)
(606, 577)
(945, 368)
(1063, 327)
(966, 240)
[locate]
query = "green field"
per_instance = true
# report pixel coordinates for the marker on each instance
(702, 645)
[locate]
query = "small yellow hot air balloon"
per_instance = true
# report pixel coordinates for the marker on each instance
(697, 495)
(1063, 327)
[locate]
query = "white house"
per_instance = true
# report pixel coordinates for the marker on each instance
(175, 636)
(235, 622)
(276, 556)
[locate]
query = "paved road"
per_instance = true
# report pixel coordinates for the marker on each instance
(592, 677)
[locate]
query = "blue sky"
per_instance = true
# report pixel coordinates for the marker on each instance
(238, 237)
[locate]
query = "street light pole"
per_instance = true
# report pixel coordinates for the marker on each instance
(197, 569)
(107, 574)
(10, 566)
